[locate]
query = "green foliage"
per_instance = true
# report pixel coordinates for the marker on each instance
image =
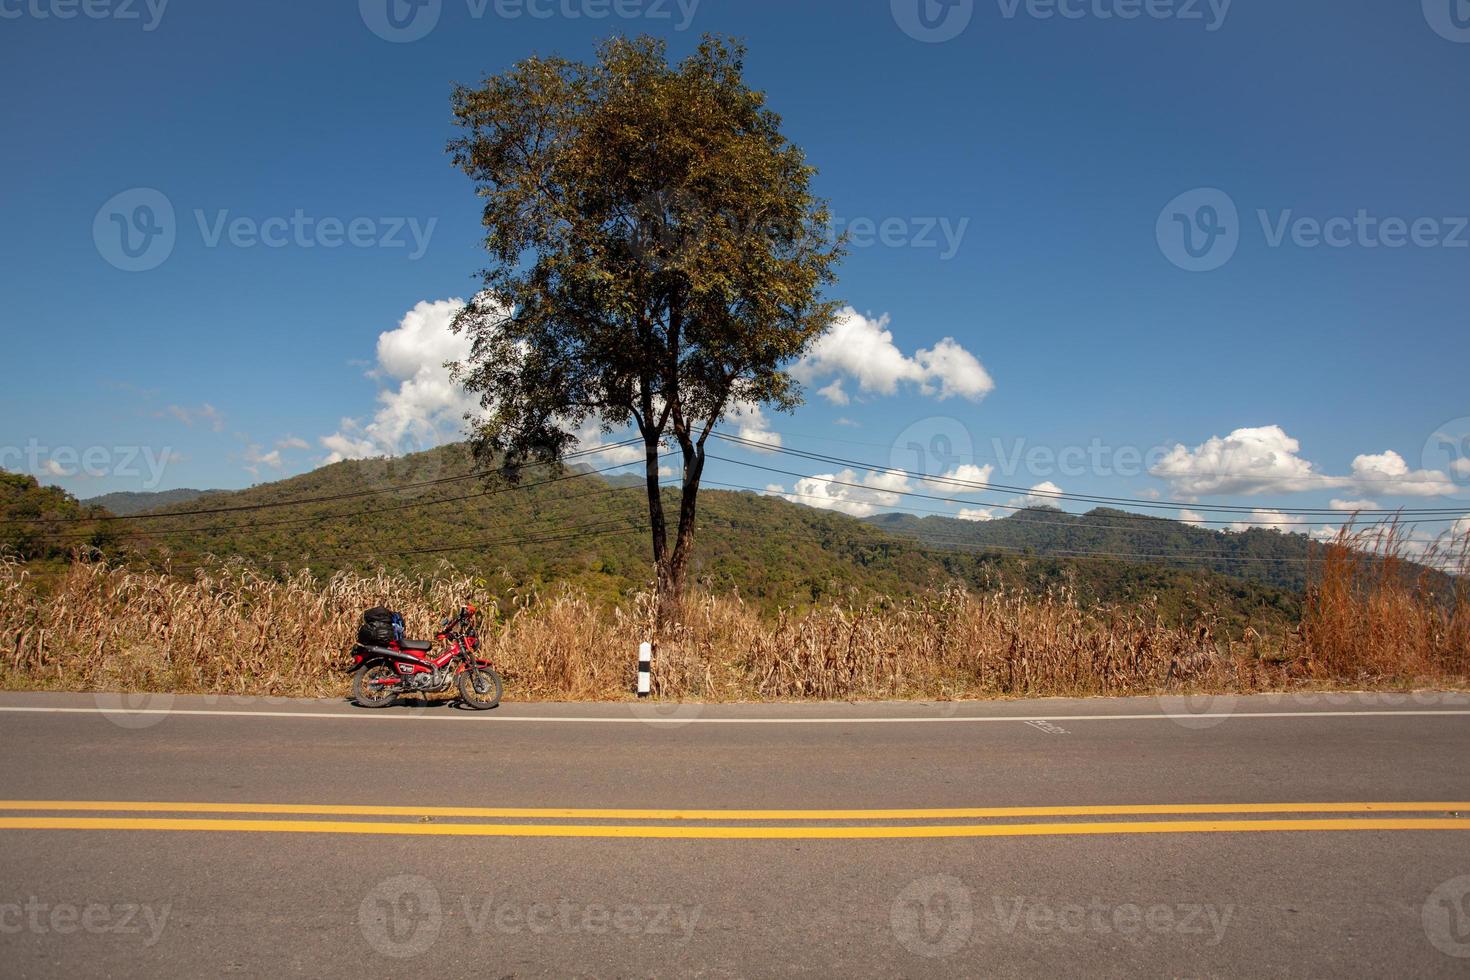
(47, 516)
(771, 552)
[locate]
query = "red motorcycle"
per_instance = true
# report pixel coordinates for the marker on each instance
(385, 673)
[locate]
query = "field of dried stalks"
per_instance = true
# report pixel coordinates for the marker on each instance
(232, 631)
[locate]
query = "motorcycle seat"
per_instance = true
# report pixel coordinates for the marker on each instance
(415, 646)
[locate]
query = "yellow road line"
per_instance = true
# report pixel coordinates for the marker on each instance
(729, 833)
(560, 813)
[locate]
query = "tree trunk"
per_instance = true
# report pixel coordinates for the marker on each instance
(672, 582)
(657, 527)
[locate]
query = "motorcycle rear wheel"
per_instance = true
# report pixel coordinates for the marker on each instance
(370, 695)
(480, 688)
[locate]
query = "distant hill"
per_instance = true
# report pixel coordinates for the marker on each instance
(1257, 555)
(124, 503)
(588, 532)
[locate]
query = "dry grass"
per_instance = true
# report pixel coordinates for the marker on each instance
(233, 631)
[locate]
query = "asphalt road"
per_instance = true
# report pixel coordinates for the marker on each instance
(1321, 836)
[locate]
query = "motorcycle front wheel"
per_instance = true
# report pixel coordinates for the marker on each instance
(369, 694)
(479, 687)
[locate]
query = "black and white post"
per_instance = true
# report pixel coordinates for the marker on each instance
(645, 668)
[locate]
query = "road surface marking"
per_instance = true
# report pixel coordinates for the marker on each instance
(563, 813)
(728, 833)
(470, 718)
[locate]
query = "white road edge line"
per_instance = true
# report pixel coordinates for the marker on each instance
(637, 720)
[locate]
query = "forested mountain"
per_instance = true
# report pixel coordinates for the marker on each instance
(414, 513)
(1258, 555)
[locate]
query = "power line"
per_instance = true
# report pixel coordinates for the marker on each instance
(1048, 494)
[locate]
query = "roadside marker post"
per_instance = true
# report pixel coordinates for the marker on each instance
(645, 668)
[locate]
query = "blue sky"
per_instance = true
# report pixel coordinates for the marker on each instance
(1024, 175)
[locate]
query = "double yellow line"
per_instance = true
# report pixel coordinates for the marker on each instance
(691, 824)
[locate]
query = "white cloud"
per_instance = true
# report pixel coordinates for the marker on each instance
(1388, 474)
(834, 393)
(979, 514)
(255, 458)
(954, 371)
(1275, 520)
(862, 349)
(1246, 461)
(1351, 506)
(964, 473)
(1461, 466)
(752, 424)
(1041, 495)
(425, 408)
(848, 423)
(53, 468)
(206, 414)
(1190, 517)
(830, 491)
(1267, 460)
(292, 442)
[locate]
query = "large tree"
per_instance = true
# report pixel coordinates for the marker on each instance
(657, 259)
